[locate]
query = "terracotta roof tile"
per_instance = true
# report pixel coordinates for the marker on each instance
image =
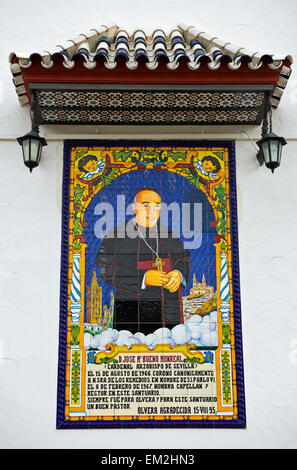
(109, 45)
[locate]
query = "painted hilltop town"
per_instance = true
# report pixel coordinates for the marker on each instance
(200, 327)
(201, 299)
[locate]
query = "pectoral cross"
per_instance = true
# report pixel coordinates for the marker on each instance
(159, 264)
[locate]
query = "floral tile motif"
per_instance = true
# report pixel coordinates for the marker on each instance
(146, 116)
(149, 107)
(157, 99)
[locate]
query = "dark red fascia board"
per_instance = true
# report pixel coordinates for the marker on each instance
(36, 73)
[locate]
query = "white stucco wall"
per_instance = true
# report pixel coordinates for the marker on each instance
(31, 220)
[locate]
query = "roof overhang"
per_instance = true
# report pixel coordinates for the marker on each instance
(181, 78)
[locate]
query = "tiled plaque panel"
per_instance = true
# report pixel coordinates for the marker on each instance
(150, 320)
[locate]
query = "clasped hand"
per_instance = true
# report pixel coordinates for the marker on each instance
(170, 281)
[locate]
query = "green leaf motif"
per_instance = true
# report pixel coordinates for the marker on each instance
(220, 155)
(226, 334)
(223, 246)
(107, 360)
(121, 155)
(78, 192)
(77, 229)
(222, 226)
(221, 208)
(177, 155)
(106, 180)
(79, 153)
(74, 335)
(220, 193)
(76, 245)
(194, 180)
(195, 360)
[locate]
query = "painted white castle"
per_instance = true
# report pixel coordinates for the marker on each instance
(200, 288)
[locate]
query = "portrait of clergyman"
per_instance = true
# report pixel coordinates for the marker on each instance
(150, 271)
(147, 267)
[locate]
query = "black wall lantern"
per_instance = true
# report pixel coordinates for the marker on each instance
(270, 146)
(32, 143)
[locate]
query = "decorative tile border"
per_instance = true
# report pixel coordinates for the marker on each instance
(227, 359)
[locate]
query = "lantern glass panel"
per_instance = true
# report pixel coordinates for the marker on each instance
(35, 150)
(39, 152)
(26, 149)
(274, 145)
(266, 153)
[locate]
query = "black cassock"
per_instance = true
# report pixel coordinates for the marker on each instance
(123, 263)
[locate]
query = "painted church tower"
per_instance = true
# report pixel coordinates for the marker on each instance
(94, 301)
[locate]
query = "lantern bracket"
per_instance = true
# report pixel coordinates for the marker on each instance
(33, 114)
(266, 127)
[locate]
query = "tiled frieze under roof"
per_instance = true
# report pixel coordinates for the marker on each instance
(159, 106)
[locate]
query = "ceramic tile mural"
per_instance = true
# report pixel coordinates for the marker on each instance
(150, 321)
